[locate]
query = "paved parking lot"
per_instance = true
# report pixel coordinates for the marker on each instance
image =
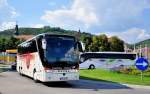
(12, 83)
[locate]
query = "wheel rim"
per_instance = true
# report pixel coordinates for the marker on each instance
(34, 76)
(20, 71)
(92, 67)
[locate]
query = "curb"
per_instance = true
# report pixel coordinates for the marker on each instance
(137, 86)
(128, 85)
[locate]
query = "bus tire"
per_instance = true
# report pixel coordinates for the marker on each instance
(91, 66)
(35, 76)
(20, 71)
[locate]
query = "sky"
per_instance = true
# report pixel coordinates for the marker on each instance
(127, 19)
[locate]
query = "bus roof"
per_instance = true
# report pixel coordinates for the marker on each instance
(108, 55)
(110, 52)
(43, 34)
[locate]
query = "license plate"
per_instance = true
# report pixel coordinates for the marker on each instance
(63, 78)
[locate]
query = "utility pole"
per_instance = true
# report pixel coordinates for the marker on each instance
(134, 48)
(140, 50)
(146, 52)
(125, 48)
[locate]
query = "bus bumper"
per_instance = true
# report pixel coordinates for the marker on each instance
(48, 76)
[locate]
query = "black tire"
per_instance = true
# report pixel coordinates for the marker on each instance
(20, 71)
(34, 78)
(91, 66)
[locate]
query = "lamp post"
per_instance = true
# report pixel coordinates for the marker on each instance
(146, 54)
(140, 50)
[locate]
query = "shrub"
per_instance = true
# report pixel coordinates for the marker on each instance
(133, 71)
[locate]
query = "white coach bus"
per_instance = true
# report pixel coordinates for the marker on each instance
(49, 57)
(92, 60)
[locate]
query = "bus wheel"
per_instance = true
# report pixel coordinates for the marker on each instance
(35, 76)
(20, 71)
(91, 66)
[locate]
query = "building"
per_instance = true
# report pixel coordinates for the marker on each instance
(8, 57)
(143, 52)
(24, 37)
(11, 56)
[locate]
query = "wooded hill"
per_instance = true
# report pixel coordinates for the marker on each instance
(142, 43)
(92, 42)
(46, 29)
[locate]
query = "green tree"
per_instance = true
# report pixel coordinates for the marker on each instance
(87, 40)
(99, 43)
(12, 43)
(8, 43)
(103, 43)
(94, 47)
(116, 44)
(2, 44)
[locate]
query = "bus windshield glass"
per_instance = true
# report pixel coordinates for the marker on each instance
(60, 49)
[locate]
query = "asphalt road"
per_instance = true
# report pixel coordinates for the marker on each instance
(13, 83)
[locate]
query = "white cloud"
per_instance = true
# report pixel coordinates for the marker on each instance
(14, 13)
(7, 25)
(73, 17)
(7, 14)
(134, 35)
(105, 13)
(131, 35)
(7, 11)
(140, 34)
(37, 25)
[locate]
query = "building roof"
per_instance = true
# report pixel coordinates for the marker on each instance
(24, 37)
(12, 51)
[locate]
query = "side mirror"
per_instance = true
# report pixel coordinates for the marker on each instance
(44, 44)
(83, 46)
(80, 47)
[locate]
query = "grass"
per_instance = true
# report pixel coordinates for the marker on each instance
(109, 76)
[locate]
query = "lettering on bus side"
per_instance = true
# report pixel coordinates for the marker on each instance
(28, 57)
(27, 51)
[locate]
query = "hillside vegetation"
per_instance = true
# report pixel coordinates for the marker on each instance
(142, 43)
(35, 31)
(92, 42)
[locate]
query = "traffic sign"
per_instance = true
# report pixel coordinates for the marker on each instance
(142, 64)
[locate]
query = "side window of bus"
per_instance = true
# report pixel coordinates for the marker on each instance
(28, 47)
(32, 46)
(39, 43)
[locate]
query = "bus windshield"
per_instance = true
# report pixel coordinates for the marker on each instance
(60, 49)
